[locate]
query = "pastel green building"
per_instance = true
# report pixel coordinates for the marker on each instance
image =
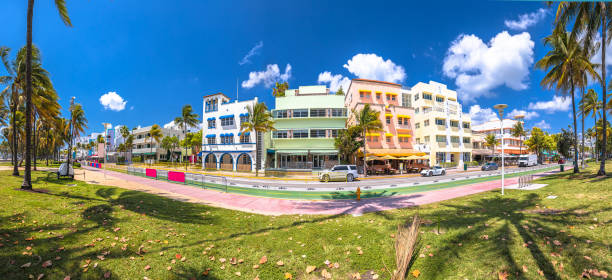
(307, 120)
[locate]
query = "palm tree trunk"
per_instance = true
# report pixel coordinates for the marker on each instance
(27, 176)
(602, 166)
(575, 129)
(582, 148)
(365, 162)
(595, 143)
(14, 144)
(257, 157)
(35, 143)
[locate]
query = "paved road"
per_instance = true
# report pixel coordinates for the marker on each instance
(382, 182)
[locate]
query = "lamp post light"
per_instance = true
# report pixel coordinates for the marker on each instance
(500, 109)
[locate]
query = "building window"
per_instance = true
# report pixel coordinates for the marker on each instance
(454, 123)
(399, 120)
(405, 121)
(454, 139)
(300, 134)
(466, 140)
(280, 114)
(466, 125)
(406, 100)
(427, 96)
(315, 113)
(212, 141)
(245, 138)
(426, 139)
(243, 119)
(334, 133)
(279, 134)
(416, 111)
(227, 121)
(361, 94)
(440, 157)
(300, 113)
(417, 125)
(467, 157)
(392, 97)
(378, 95)
(373, 139)
(440, 121)
(439, 99)
(388, 139)
(426, 123)
(338, 112)
(416, 97)
(388, 118)
(212, 123)
(440, 138)
(418, 140)
(317, 133)
(227, 139)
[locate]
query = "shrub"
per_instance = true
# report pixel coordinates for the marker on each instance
(76, 164)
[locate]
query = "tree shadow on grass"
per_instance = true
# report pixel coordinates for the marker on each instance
(509, 221)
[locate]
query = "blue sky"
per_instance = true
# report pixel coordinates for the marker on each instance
(157, 57)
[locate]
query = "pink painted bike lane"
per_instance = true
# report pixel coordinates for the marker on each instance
(278, 206)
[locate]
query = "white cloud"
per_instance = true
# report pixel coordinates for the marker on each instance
(526, 20)
(480, 115)
(558, 103)
(528, 115)
(252, 52)
(372, 66)
(478, 67)
(542, 124)
(112, 101)
(334, 81)
(268, 77)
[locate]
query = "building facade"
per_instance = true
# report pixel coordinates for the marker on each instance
(307, 120)
(442, 130)
(149, 149)
(512, 145)
(224, 147)
(395, 137)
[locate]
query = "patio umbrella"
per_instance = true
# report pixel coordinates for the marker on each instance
(388, 157)
(370, 158)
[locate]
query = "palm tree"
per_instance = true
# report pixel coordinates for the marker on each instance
(154, 133)
(258, 121)
(61, 7)
(491, 141)
(11, 93)
(187, 119)
(590, 105)
(77, 124)
(568, 62)
(279, 89)
(129, 142)
(588, 18)
(368, 120)
(518, 130)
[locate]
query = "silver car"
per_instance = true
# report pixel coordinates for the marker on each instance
(435, 171)
(339, 173)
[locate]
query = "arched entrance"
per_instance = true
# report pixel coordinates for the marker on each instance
(227, 162)
(244, 163)
(210, 162)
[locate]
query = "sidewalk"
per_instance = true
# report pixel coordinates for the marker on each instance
(275, 206)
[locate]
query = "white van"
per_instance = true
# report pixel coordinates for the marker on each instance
(528, 160)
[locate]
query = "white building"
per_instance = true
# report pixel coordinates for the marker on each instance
(512, 145)
(224, 147)
(148, 148)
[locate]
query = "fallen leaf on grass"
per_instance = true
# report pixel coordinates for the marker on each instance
(40, 276)
(525, 268)
(502, 275)
(263, 260)
(288, 275)
(325, 274)
(416, 273)
(26, 265)
(256, 266)
(147, 267)
(310, 268)
(280, 263)
(47, 264)
(237, 273)
(588, 258)
(67, 277)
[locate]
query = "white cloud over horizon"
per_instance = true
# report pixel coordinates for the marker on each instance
(268, 77)
(478, 68)
(481, 115)
(334, 81)
(542, 125)
(112, 101)
(526, 20)
(254, 51)
(557, 104)
(528, 114)
(364, 66)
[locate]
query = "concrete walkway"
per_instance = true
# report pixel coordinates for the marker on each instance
(276, 206)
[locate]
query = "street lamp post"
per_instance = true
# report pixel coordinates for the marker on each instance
(500, 109)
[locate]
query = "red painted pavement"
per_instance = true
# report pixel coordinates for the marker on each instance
(276, 206)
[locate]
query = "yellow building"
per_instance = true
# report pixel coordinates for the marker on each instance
(441, 129)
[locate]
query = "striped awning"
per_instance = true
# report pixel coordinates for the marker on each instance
(211, 118)
(210, 136)
(227, 135)
(226, 116)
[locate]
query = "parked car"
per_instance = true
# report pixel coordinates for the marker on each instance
(489, 166)
(435, 171)
(65, 170)
(339, 173)
(528, 160)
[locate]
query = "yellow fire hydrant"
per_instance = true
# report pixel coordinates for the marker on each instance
(358, 194)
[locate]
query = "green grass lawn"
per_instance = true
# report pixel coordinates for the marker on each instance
(86, 231)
